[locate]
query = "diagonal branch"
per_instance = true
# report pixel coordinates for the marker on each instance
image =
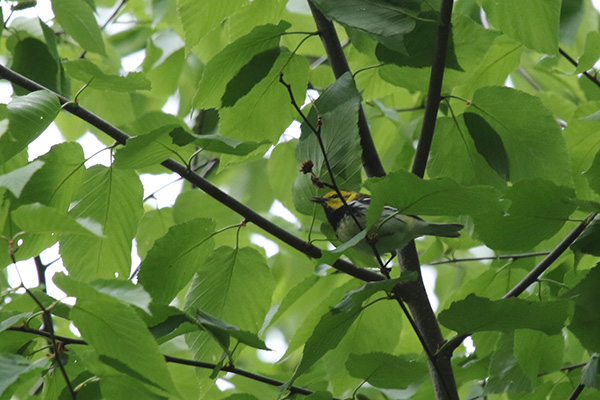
(194, 178)
(339, 64)
(535, 273)
(530, 278)
(576, 64)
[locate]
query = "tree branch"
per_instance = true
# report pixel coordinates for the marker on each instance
(434, 94)
(192, 177)
(339, 64)
(535, 273)
(414, 292)
(176, 360)
(530, 278)
(577, 392)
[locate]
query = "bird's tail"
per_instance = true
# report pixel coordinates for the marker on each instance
(445, 230)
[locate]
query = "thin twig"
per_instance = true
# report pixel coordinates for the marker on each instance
(535, 273)
(498, 257)
(529, 279)
(48, 327)
(317, 132)
(176, 360)
(324, 58)
(567, 368)
(529, 79)
(112, 16)
(576, 64)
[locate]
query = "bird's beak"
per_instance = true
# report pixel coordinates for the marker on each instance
(317, 199)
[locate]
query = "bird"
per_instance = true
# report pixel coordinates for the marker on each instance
(392, 231)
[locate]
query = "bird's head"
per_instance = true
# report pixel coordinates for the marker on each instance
(333, 201)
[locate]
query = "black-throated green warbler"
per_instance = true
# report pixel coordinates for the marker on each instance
(392, 231)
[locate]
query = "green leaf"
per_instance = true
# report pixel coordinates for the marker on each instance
(117, 386)
(173, 259)
(88, 72)
(56, 183)
(589, 241)
(384, 19)
(500, 59)
(417, 48)
(537, 210)
(16, 180)
(216, 143)
(200, 17)
(146, 150)
(221, 284)
(28, 117)
(113, 197)
(322, 395)
(534, 23)
(32, 58)
(530, 350)
(453, 154)
(531, 136)
(53, 185)
(593, 174)
(585, 323)
(478, 314)
(385, 370)
(168, 322)
(226, 65)
(39, 218)
(488, 143)
(242, 396)
(117, 333)
(338, 107)
(153, 225)
(333, 326)
(428, 197)
(125, 291)
(247, 77)
(247, 121)
(13, 367)
(591, 52)
(154, 120)
(505, 373)
(9, 319)
(77, 19)
(222, 331)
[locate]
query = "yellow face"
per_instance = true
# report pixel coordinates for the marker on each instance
(333, 200)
